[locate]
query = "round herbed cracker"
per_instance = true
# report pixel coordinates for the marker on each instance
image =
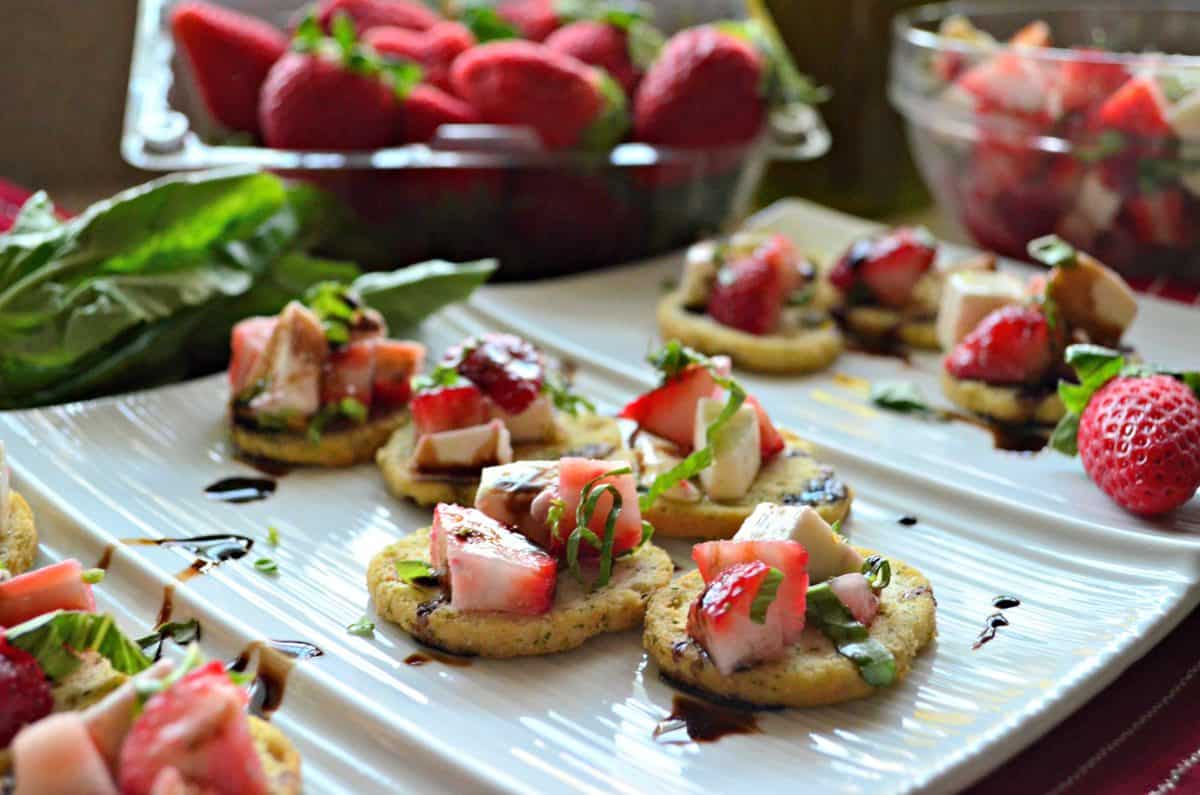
(336, 448)
(877, 323)
(577, 614)
(798, 351)
(587, 436)
(280, 759)
(1010, 404)
(18, 542)
(813, 673)
(794, 477)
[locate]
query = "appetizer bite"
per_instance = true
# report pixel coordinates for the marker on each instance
(707, 453)
(1007, 363)
(492, 400)
(788, 614)
(554, 553)
(18, 534)
(889, 287)
(89, 712)
(753, 298)
(320, 384)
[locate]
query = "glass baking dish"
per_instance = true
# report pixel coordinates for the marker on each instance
(475, 190)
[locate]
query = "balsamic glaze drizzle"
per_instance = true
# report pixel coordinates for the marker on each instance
(695, 721)
(240, 489)
(273, 662)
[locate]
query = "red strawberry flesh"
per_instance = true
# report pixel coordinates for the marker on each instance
(720, 619)
(574, 475)
(670, 410)
(448, 408)
(1012, 345)
(490, 567)
(59, 586)
(509, 370)
(25, 695)
(790, 557)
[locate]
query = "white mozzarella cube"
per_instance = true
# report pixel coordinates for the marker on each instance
(736, 454)
(465, 448)
(828, 553)
(968, 297)
(534, 424)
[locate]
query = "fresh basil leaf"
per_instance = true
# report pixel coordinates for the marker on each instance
(57, 639)
(1087, 360)
(364, 627)
(413, 571)
(406, 296)
(564, 399)
(853, 640)
(441, 376)
(901, 396)
(765, 596)
(180, 632)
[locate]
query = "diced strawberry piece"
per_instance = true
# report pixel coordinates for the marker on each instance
(770, 440)
(25, 694)
(490, 567)
(747, 296)
(508, 369)
(1161, 218)
(790, 557)
(854, 591)
(248, 341)
(720, 619)
(1086, 83)
(1012, 345)
(1138, 108)
(1012, 83)
(889, 266)
(670, 410)
(56, 755)
(396, 362)
(59, 586)
(447, 408)
(349, 373)
(574, 475)
(197, 727)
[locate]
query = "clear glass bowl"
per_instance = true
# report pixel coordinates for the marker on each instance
(1018, 142)
(476, 190)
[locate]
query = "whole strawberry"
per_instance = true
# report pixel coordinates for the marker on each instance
(601, 44)
(332, 94)
(1137, 431)
(230, 55)
(704, 90)
(567, 103)
(24, 692)
(434, 49)
(427, 108)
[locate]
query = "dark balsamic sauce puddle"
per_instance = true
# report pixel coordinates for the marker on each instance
(996, 620)
(240, 490)
(210, 550)
(274, 660)
(1009, 438)
(167, 607)
(907, 521)
(695, 721)
(419, 658)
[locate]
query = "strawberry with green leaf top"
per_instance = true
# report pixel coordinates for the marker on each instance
(334, 93)
(1135, 427)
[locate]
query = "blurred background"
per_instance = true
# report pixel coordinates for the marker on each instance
(65, 134)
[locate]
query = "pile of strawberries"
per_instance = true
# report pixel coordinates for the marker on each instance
(363, 74)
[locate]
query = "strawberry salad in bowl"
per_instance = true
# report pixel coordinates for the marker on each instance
(553, 553)
(1079, 122)
(707, 452)
(1008, 339)
(321, 383)
(755, 299)
(787, 613)
(491, 400)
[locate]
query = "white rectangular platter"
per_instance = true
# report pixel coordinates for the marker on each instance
(1098, 587)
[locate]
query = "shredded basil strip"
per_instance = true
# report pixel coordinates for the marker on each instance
(57, 639)
(348, 407)
(554, 516)
(765, 596)
(364, 628)
(563, 398)
(673, 359)
(1053, 251)
(878, 571)
(180, 632)
(266, 566)
(852, 639)
(588, 501)
(901, 396)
